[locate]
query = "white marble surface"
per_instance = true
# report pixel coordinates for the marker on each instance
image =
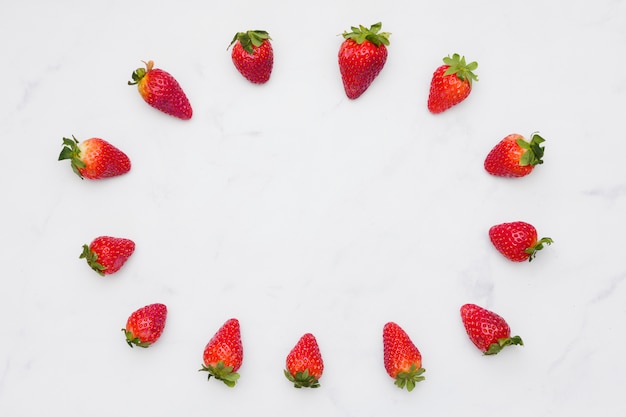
(297, 210)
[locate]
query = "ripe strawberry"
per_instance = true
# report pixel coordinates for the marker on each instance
(487, 330)
(145, 326)
(107, 254)
(513, 156)
(94, 158)
(304, 363)
(253, 55)
(451, 83)
(160, 90)
(517, 241)
(362, 55)
(403, 360)
(224, 353)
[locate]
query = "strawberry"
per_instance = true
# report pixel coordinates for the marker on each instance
(253, 55)
(94, 158)
(517, 241)
(160, 90)
(513, 156)
(451, 83)
(145, 326)
(224, 353)
(403, 360)
(487, 330)
(107, 254)
(362, 55)
(304, 363)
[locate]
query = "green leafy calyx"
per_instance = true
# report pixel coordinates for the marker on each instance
(303, 379)
(250, 39)
(139, 73)
(134, 341)
(222, 372)
(71, 151)
(92, 260)
(361, 34)
(532, 251)
(501, 343)
(409, 378)
(458, 66)
(533, 150)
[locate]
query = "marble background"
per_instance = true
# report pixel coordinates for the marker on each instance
(296, 210)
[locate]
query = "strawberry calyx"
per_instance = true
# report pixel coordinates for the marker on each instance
(532, 251)
(361, 34)
(139, 73)
(92, 260)
(134, 341)
(409, 378)
(533, 151)
(71, 151)
(250, 39)
(303, 379)
(494, 348)
(222, 372)
(457, 65)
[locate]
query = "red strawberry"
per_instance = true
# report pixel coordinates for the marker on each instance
(487, 330)
(451, 83)
(160, 90)
(517, 241)
(107, 254)
(513, 156)
(144, 326)
(253, 55)
(304, 363)
(94, 158)
(403, 360)
(224, 353)
(362, 55)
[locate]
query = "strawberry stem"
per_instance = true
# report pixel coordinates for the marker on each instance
(303, 379)
(361, 34)
(532, 251)
(71, 151)
(533, 151)
(92, 260)
(409, 378)
(139, 73)
(501, 343)
(250, 39)
(134, 341)
(458, 66)
(221, 372)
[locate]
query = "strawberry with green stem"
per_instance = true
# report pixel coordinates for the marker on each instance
(94, 158)
(145, 325)
(253, 55)
(160, 90)
(107, 254)
(362, 56)
(517, 241)
(223, 355)
(515, 157)
(304, 363)
(451, 83)
(402, 359)
(487, 330)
